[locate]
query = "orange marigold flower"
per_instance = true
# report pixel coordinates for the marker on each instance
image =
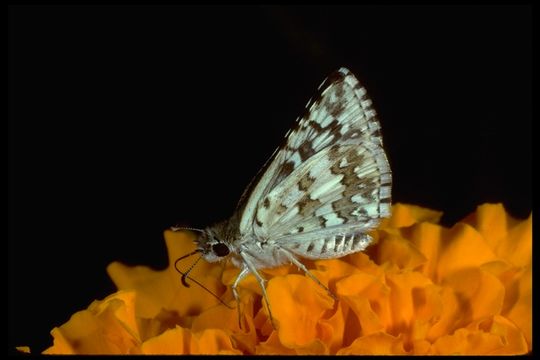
(420, 288)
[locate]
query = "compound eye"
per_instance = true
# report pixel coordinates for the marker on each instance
(220, 249)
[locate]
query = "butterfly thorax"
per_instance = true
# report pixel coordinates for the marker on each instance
(223, 241)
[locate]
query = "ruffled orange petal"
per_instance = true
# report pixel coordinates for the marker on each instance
(375, 344)
(519, 306)
(297, 304)
(221, 317)
(175, 341)
(361, 261)
(61, 345)
(273, 346)
(463, 247)
(329, 271)
(413, 303)
(23, 349)
(492, 222)
(214, 342)
(367, 297)
(445, 321)
(486, 337)
(179, 341)
(480, 294)
(406, 215)
(427, 239)
(162, 290)
(517, 247)
(332, 329)
(401, 252)
(107, 327)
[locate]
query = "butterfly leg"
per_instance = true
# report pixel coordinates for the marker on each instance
(301, 266)
(243, 273)
(247, 268)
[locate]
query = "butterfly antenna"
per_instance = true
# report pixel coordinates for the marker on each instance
(185, 275)
(177, 228)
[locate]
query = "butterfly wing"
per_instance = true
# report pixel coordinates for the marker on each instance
(331, 176)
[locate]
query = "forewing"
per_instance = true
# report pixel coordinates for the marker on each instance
(331, 171)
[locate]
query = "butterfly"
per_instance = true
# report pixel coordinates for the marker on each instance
(318, 195)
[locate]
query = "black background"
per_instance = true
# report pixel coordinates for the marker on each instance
(125, 120)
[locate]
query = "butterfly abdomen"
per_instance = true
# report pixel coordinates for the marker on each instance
(332, 246)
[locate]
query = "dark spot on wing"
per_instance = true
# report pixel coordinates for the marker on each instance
(356, 241)
(323, 249)
(339, 241)
(306, 150)
(386, 200)
(305, 182)
(307, 206)
(286, 169)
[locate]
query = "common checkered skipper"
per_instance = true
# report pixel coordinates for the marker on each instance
(317, 196)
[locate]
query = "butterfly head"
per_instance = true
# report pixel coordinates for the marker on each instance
(211, 243)
(212, 247)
